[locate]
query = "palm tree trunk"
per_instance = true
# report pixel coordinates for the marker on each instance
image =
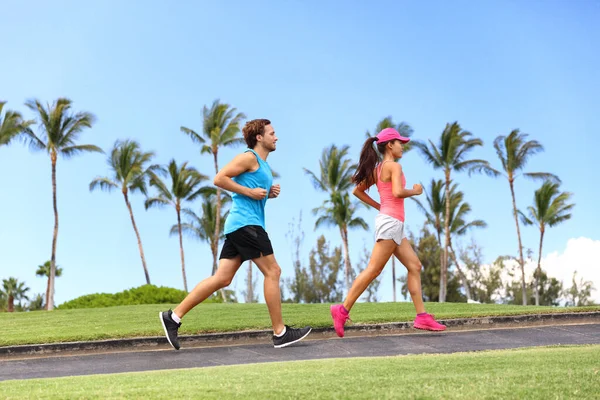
(137, 234)
(181, 248)
(217, 227)
(441, 256)
(521, 262)
(249, 285)
(394, 278)
(539, 269)
(461, 273)
(444, 271)
(53, 157)
(217, 217)
(11, 304)
(47, 291)
(344, 233)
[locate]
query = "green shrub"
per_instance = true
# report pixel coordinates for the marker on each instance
(146, 294)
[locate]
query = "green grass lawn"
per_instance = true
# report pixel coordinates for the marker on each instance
(142, 320)
(535, 373)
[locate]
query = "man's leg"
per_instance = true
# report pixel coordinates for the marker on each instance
(272, 272)
(222, 278)
(171, 320)
(283, 334)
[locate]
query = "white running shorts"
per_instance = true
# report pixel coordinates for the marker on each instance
(387, 228)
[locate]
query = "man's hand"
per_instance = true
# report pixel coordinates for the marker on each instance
(275, 190)
(257, 193)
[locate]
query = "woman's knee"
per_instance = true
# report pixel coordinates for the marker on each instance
(414, 267)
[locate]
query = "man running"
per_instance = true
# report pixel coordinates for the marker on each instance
(250, 179)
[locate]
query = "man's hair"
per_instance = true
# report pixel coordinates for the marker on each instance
(253, 128)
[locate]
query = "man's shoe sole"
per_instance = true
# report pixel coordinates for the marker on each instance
(295, 341)
(162, 322)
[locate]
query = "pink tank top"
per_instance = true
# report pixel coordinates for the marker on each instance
(390, 205)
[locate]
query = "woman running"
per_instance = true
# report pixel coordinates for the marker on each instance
(389, 225)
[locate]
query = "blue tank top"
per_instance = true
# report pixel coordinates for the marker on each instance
(245, 210)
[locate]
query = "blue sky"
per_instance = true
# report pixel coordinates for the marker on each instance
(323, 72)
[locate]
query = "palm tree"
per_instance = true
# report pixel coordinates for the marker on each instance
(550, 208)
(221, 127)
(436, 206)
(514, 151)
(11, 125)
(60, 130)
(450, 155)
(185, 182)
(340, 211)
(203, 227)
(130, 171)
(335, 170)
(44, 271)
(459, 227)
(14, 290)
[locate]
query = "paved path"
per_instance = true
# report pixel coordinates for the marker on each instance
(418, 343)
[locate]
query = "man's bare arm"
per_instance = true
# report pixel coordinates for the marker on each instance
(240, 164)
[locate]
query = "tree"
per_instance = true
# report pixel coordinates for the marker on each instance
(44, 271)
(221, 128)
(459, 227)
(550, 291)
(335, 171)
(298, 284)
(340, 211)
(13, 291)
(579, 293)
(185, 182)
(11, 125)
(450, 155)
(428, 250)
(485, 282)
(203, 227)
(130, 169)
(60, 131)
(550, 208)
(319, 283)
(514, 151)
(37, 303)
(250, 295)
(434, 212)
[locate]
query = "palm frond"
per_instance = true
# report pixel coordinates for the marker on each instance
(542, 176)
(104, 184)
(70, 151)
(195, 136)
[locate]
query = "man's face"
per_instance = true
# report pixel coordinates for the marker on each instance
(268, 140)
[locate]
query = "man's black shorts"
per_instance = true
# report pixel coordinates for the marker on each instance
(249, 242)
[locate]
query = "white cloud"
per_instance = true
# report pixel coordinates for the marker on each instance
(581, 255)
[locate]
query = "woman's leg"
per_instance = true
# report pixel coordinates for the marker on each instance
(382, 251)
(407, 256)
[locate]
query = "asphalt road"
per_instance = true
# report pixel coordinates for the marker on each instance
(368, 346)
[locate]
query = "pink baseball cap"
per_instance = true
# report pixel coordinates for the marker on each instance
(390, 134)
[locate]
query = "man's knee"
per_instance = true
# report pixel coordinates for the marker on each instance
(224, 280)
(273, 271)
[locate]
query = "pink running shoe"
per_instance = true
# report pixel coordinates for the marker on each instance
(426, 322)
(340, 316)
